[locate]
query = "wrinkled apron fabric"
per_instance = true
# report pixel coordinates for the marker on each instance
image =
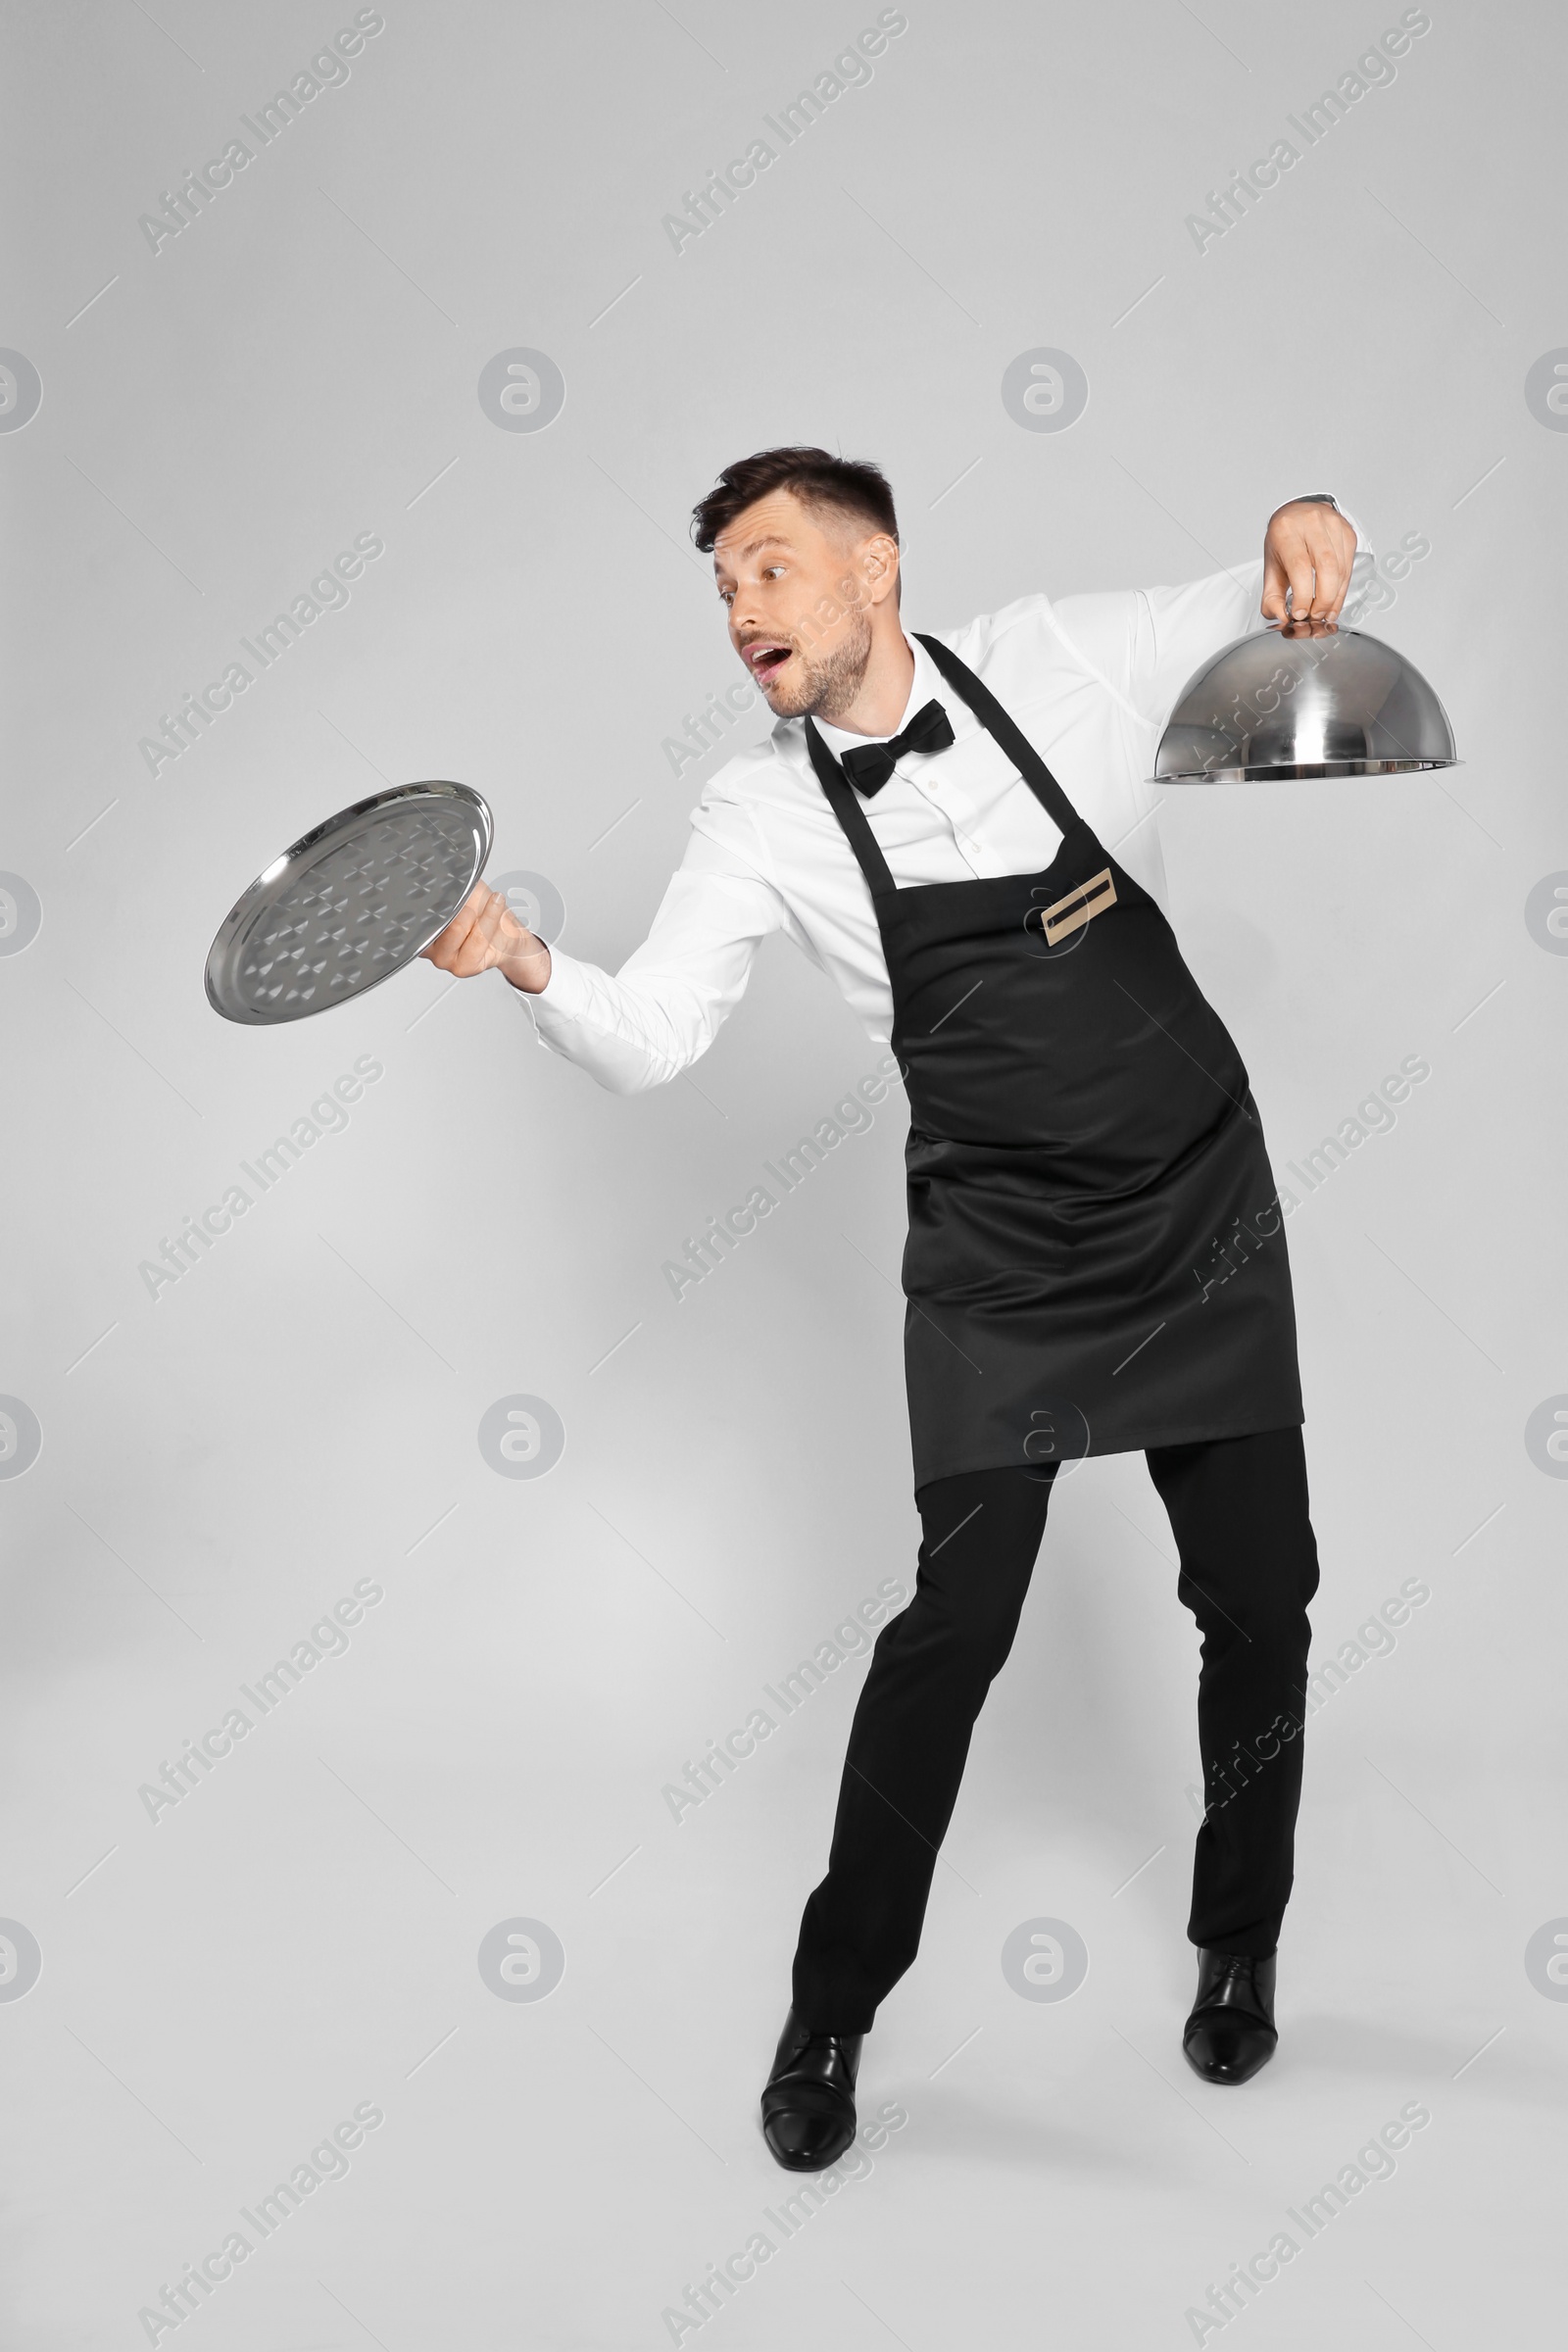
(1096, 1260)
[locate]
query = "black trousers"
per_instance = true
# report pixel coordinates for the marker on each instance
(1237, 1509)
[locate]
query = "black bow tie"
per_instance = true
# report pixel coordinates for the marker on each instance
(868, 766)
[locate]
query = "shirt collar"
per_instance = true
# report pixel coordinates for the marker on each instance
(928, 683)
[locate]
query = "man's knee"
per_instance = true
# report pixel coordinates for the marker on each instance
(971, 1627)
(1263, 1614)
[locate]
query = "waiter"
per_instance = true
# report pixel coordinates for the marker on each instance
(956, 828)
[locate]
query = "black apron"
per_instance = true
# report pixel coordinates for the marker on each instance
(1096, 1259)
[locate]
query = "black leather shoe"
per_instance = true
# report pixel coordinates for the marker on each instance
(808, 2102)
(1231, 2031)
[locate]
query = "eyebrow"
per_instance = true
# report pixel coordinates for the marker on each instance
(755, 546)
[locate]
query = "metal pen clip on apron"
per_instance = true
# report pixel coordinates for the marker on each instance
(1095, 1259)
(1084, 1154)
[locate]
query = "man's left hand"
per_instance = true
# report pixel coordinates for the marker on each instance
(1309, 550)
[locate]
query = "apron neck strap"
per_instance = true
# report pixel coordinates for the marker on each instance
(1003, 730)
(845, 800)
(845, 803)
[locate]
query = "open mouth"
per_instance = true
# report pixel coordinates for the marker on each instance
(765, 658)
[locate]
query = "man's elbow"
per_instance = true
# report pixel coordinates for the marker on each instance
(641, 1080)
(626, 1072)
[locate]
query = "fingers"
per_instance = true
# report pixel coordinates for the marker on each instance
(1330, 543)
(447, 943)
(505, 936)
(1276, 580)
(1299, 563)
(466, 946)
(1309, 552)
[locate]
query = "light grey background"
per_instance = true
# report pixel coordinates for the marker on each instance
(218, 1466)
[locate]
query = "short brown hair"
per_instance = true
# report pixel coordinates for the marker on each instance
(848, 485)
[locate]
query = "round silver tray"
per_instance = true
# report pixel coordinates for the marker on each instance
(349, 904)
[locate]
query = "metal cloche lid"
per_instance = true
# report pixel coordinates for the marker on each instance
(1298, 699)
(349, 904)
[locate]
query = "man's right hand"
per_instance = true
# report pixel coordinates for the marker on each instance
(485, 934)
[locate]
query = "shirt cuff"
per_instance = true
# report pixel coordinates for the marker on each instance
(564, 997)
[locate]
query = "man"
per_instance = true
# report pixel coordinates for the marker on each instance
(1096, 1259)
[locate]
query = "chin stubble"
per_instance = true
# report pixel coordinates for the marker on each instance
(827, 689)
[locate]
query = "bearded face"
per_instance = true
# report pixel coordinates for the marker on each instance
(800, 586)
(822, 681)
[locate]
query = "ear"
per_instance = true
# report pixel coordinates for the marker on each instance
(879, 565)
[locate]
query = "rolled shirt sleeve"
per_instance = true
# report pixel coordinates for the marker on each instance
(760, 858)
(1147, 642)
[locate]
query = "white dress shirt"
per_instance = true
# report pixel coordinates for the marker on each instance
(1091, 680)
